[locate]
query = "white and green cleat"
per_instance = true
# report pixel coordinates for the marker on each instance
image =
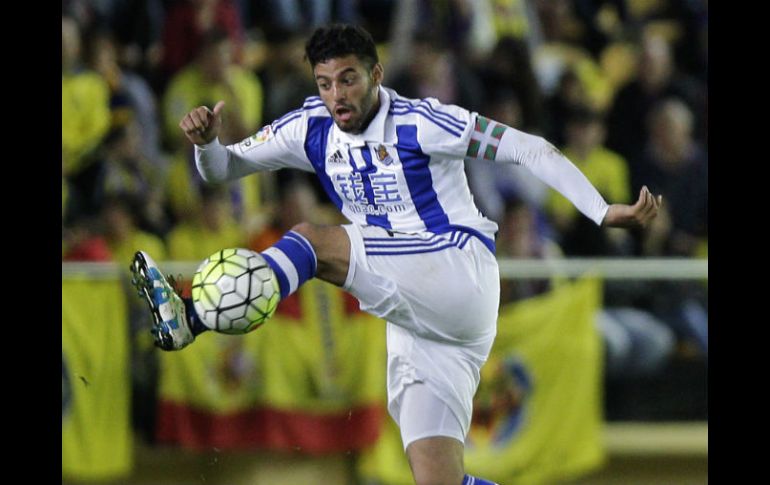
(171, 329)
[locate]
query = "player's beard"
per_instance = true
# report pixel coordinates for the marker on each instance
(360, 116)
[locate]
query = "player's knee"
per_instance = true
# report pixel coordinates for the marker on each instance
(319, 237)
(306, 229)
(332, 250)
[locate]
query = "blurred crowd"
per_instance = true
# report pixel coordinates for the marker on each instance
(620, 86)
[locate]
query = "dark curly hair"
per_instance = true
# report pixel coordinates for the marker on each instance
(340, 40)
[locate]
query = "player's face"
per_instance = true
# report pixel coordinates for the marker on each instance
(349, 90)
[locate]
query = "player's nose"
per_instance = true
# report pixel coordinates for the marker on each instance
(339, 92)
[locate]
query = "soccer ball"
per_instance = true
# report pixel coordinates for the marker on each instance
(234, 291)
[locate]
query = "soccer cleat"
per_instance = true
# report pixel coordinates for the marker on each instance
(171, 329)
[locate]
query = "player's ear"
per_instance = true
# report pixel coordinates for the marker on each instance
(377, 74)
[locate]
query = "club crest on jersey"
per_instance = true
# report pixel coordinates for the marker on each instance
(257, 138)
(336, 158)
(383, 156)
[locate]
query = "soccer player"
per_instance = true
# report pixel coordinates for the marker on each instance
(417, 252)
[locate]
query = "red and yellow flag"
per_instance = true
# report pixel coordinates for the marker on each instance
(311, 380)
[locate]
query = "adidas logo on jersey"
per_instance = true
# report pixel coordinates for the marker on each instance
(336, 158)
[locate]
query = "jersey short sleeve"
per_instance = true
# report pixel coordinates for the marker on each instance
(444, 129)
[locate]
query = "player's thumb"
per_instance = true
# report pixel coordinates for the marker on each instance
(218, 108)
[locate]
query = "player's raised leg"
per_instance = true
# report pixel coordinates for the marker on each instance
(305, 252)
(324, 252)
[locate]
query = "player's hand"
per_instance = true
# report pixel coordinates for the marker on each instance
(202, 125)
(638, 215)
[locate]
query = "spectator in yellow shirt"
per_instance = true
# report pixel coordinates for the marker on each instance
(212, 77)
(206, 230)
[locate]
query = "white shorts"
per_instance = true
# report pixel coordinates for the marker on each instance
(440, 296)
(421, 414)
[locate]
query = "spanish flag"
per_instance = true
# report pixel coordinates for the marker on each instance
(537, 412)
(311, 380)
(96, 433)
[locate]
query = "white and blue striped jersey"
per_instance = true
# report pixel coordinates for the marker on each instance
(404, 172)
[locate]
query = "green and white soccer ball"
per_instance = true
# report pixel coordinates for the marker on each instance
(234, 291)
